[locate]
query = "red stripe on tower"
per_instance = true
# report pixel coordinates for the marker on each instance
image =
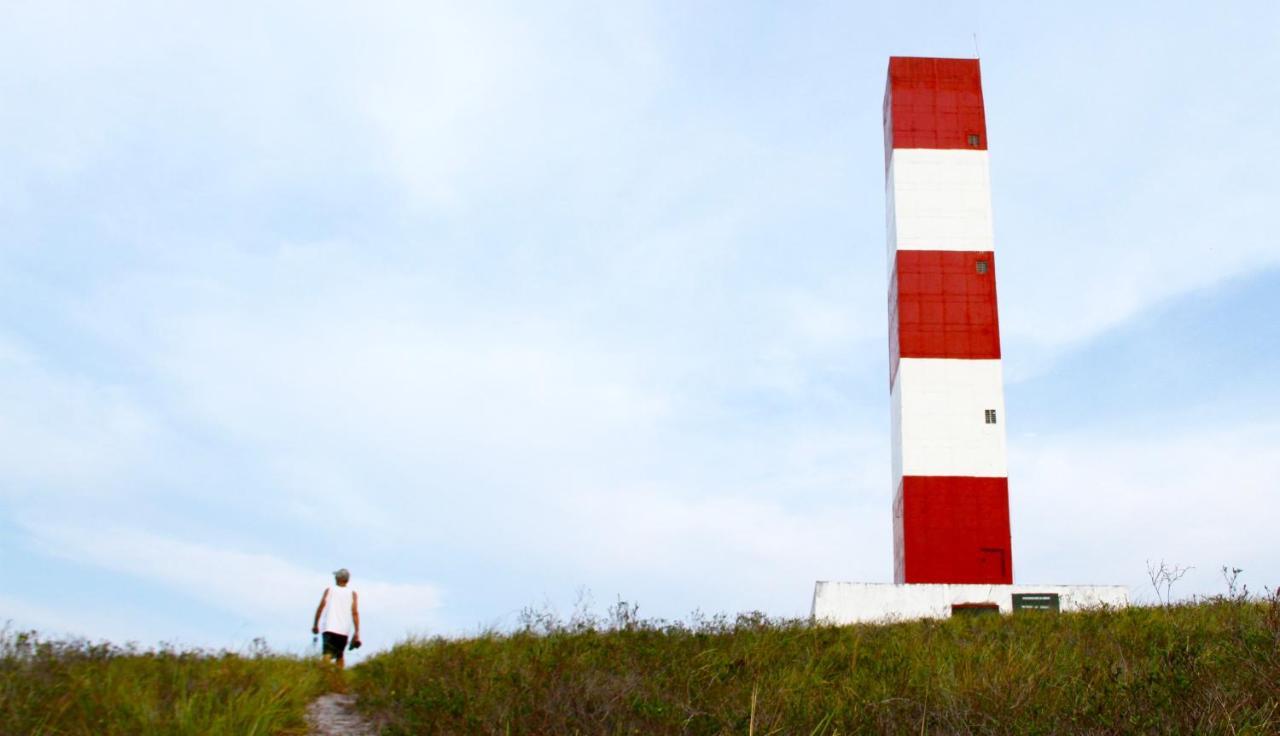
(951, 507)
(934, 103)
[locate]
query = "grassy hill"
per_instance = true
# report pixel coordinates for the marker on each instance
(1207, 668)
(1211, 667)
(76, 687)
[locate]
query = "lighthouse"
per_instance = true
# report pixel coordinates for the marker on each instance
(952, 550)
(950, 475)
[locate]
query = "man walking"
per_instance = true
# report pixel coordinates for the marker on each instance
(341, 617)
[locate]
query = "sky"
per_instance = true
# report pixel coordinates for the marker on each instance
(511, 305)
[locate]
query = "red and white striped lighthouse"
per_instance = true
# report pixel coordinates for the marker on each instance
(951, 491)
(950, 477)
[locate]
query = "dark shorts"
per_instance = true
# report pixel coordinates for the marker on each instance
(334, 644)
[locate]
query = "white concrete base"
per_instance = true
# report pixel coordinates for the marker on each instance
(852, 603)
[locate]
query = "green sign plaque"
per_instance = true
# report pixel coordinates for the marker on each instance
(1035, 602)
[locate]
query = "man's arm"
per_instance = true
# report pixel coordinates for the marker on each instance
(355, 614)
(315, 625)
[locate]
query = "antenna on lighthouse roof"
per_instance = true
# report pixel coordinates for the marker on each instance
(976, 53)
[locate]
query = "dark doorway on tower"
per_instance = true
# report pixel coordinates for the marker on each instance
(992, 563)
(974, 609)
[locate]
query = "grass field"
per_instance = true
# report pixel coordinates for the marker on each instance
(60, 687)
(1212, 667)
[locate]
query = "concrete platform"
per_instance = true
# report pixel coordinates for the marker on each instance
(851, 603)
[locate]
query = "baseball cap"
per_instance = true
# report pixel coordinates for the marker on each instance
(342, 572)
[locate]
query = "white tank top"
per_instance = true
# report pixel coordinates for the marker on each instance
(337, 609)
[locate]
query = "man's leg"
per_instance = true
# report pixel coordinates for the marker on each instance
(334, 647)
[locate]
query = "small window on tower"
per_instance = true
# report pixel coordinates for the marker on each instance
(982, 266)
(974, 140)
(991, 416)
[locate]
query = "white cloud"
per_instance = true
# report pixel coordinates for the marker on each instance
(353, 373)
(1104, 205)
(265, 591)
(651, 532)
(66, 432)
(477, 100)
(586, 286)
(53, 621)
(1094, 508)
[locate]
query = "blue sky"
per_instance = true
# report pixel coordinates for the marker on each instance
(493, 305)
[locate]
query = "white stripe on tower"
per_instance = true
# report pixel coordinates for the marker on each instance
(935, 402)
(939, 200)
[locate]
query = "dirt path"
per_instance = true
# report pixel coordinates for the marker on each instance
(335, 714)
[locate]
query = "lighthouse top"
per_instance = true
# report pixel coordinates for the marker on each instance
(934, 103)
